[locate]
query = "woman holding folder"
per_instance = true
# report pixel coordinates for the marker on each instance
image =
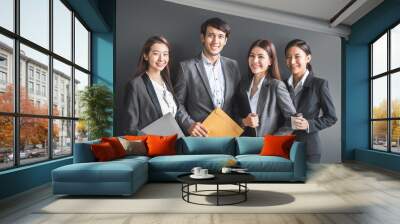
(264, 102)
(149, 94)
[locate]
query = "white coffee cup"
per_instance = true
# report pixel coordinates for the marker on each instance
(293, 120)
(203, 172)
(226, 170)
(196, 170)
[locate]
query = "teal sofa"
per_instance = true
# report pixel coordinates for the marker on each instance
(125, 176)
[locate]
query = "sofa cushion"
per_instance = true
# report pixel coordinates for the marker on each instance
(185, 163)
(277, 145)
(249, 145)
(257, 163)
(103, 152)
(112, 171)
(83, 152)
(116, 145)
(198, 146)
(161, 145)
(134, 147)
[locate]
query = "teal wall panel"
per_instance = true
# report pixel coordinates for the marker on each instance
(357, 85)
(99, 15)
(24, 178)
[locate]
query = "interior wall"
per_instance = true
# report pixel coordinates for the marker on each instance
(138, 20)
(357, 125)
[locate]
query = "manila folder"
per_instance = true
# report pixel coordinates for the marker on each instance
(219, 124)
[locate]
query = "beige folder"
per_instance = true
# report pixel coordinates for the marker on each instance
(219, 124)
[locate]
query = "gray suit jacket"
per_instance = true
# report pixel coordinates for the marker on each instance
(193, 90)
(141, 105)
(314, 98)
(274, 107)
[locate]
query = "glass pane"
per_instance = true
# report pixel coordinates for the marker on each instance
(62, 89)
(35, 21)
(81, 81)
(379, 135)
(395, 94)
(379, 55)
(7, 14)
(395, 136)
(62, 138)
(6, 74)
(62, 29)
(33, 139)
(6, 142)
(395, 47)
(81, 45)
(81, 131)
(379, 98)
(34, 82)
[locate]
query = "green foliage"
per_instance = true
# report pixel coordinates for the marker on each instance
(96, 102)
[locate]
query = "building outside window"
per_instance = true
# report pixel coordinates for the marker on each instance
(385, 94)
(58, 133)
(30, 87)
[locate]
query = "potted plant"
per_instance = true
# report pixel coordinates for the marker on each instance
(96, 102)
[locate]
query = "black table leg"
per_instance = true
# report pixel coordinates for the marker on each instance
(217, 194)
(245, 193)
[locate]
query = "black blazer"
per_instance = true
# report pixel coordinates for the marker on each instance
(141, 104)
(314, 98)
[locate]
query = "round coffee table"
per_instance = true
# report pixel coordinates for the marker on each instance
(238, 179)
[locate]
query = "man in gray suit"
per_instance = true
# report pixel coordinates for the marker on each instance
(207, 81)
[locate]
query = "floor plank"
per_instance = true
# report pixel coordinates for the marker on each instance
(377, 190)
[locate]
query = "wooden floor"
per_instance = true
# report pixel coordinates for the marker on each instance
(377, 188)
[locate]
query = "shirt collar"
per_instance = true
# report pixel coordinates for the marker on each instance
(207, 62)
(302, 80)
(259, 84)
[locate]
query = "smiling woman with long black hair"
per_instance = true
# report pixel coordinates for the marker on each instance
(264, 102)
(310, 96)
(149, 94)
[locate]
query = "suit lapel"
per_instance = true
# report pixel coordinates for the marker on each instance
(152, 93)
(305, 92)
(228, 85)
(263, 96)
(203, 76)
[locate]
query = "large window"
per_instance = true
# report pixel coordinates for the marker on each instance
(385, 93)
(44, 64)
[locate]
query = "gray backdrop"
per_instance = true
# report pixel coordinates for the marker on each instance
(137, 20)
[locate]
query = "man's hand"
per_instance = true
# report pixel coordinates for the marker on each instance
(198, 130)
(251, 120)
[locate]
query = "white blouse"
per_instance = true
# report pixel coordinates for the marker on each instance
(165, 98)
(253, 101)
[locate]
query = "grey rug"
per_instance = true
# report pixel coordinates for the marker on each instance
(166, 198)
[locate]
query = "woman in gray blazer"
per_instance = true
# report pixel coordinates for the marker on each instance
(149, 94)
(264, 102)
(310, 96)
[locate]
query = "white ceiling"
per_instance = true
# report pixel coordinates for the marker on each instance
(313, 15)
(319, 9)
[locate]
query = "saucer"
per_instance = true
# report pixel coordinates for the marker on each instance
(208, 176)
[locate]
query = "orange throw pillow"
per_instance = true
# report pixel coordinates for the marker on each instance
(103, 151)
(161, 145)
(116, 145)
(136, 137)
(275, 145)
